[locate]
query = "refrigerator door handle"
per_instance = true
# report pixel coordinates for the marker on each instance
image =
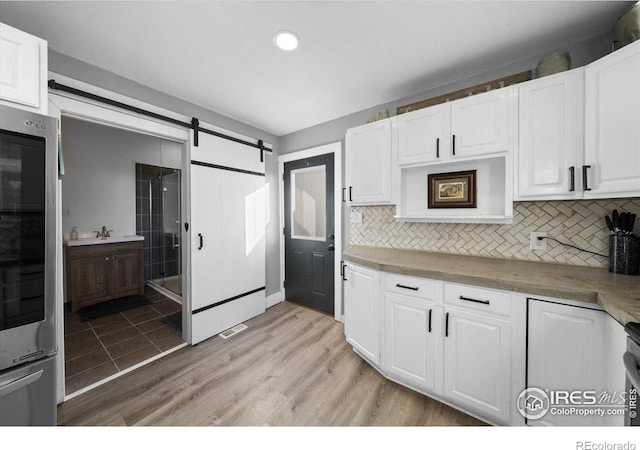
(14, 385)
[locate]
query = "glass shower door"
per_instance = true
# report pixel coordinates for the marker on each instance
(171, 222)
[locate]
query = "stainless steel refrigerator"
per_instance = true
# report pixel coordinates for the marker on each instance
(28, 172)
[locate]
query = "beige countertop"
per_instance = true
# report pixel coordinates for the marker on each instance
(619, 295)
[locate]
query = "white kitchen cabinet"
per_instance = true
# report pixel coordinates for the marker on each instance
(612, 124)
(23, 70)
(362, 311)
(482, 124)
(412, 335)
(614, 375)
(368, 164)
(566, 352)
(423, 135)
(551, 135)
(477, 362)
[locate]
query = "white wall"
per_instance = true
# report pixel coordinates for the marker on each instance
(99, 183)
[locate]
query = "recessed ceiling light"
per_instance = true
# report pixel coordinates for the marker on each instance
(286, 40)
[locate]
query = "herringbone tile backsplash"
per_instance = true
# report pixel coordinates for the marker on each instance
(579, 223)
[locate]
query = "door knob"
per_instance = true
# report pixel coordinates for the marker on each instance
(331, 247)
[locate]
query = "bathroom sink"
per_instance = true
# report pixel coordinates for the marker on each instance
(102, 240)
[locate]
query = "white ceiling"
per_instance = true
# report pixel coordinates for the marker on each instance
(353, 56)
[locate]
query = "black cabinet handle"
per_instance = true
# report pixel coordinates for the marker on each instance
(344, 273)
(438, 148)
(201, 241)
(341, 268)
(350, 193)
(446, 325)
(572, 176)
(407, 287)
(454, 145)
(467, 299)
(585, 182)
(344, 192)
(430, 311)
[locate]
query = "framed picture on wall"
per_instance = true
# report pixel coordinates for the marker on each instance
(452, 190)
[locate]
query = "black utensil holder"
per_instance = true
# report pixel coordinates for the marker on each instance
(624, 254)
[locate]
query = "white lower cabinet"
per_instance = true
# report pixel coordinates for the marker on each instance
(411, 339)
(362, 310)
(477, 362)
(566, 353)
(477, 348)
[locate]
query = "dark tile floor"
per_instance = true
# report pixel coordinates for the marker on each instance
(99, 348)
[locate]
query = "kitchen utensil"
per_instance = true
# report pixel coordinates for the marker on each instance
(609, 223)
(623, 222)
(615, 218)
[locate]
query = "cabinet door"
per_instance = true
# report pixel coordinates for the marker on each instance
(612, 123)
(91, 277)
(477, 362)
(423, 136)
(481, 124)
(551, 135)
(368, 163)
(20, 69)
(411, 340)
(362, 310)
(565, 353)
(125, 272)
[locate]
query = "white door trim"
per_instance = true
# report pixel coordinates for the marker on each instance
(70, 106)
(336, 149)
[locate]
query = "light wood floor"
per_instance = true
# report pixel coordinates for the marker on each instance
(292, 366)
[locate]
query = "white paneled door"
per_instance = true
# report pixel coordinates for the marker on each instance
(228, 222)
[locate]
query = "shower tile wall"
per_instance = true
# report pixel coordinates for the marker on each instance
(160, 258)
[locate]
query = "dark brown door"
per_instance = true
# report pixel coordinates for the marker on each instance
(309, 232)
(92, 275)
(125, 273)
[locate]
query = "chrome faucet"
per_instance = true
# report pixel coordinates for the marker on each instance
(104, 233)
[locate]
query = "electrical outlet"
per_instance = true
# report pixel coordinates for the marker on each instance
(538, 244)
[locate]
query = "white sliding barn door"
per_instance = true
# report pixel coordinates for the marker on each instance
(228, 222)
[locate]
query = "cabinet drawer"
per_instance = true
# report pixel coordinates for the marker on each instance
(411, 286)
(478, 299)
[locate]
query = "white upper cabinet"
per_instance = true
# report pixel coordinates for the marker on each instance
(423, 135)
(479, 125)
(368, 161)
(482, 124)
(551, 130)
(612, 123)
(23, 70)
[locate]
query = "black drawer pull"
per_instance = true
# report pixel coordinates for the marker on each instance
(446, 326)
(467, 299)
(344, 273)
(585, 181)
(430, 311)
(572, 174)
(438, 148)
(407, 287)
(350, 193)
(201, 241)
(454, 145)
(344, 190)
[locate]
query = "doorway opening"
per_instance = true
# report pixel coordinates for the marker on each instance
(113, 322)
(158, 219)
(311, 217)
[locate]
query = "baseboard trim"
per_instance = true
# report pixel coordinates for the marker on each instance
(274, 299)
